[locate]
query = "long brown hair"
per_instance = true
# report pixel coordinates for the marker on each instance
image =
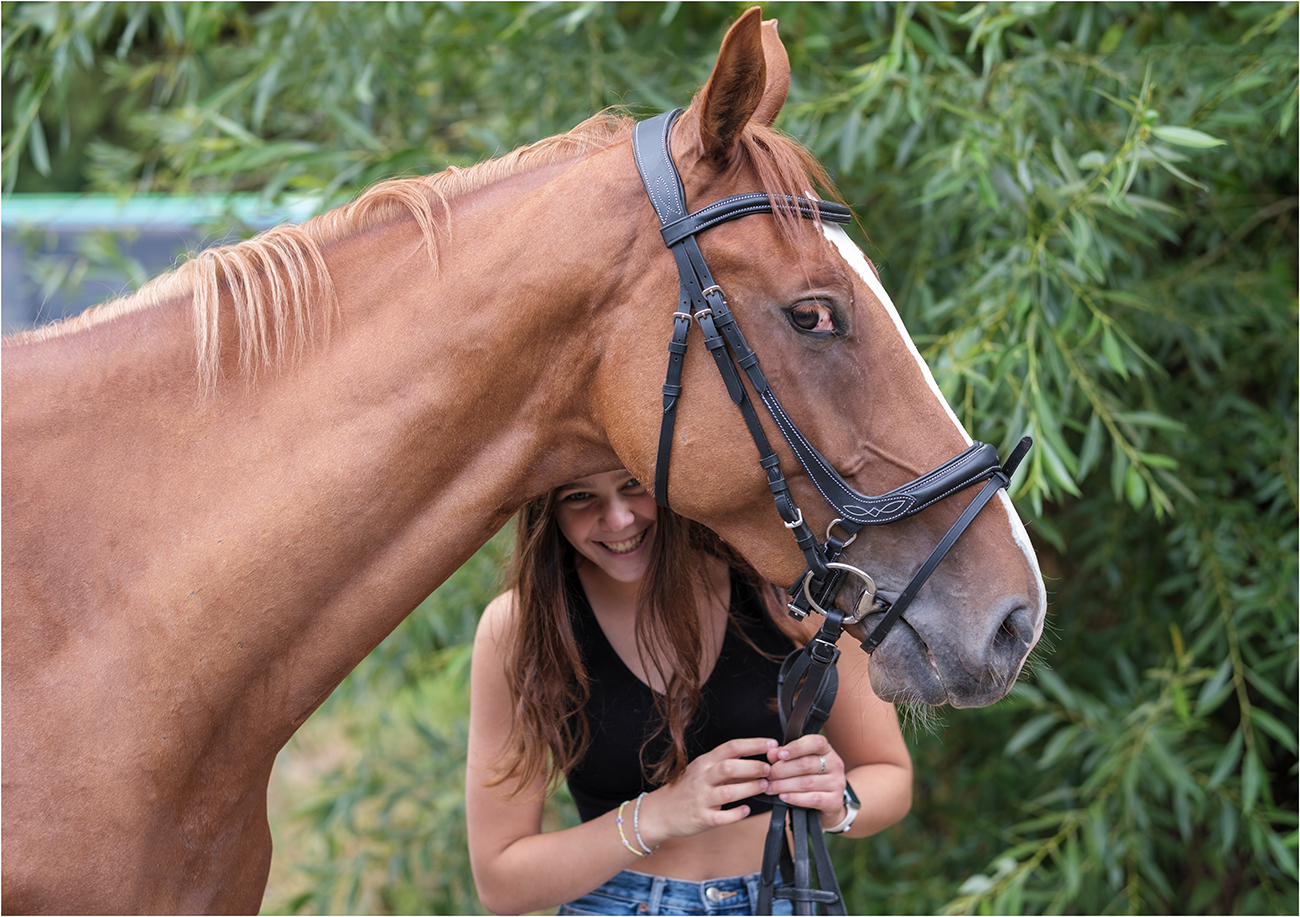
(549, 686)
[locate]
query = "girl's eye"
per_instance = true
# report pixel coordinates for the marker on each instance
(633, 484)
(576, 497)
(814, 317)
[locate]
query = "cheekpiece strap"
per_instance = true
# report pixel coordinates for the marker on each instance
(700, 298)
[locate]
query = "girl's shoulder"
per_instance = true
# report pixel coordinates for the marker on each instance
(498, 619)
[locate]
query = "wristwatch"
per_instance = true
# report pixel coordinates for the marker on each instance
(853, 805)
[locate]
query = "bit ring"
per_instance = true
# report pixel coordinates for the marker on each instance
(870, 592)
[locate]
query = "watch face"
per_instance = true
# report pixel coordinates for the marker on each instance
(850, 797)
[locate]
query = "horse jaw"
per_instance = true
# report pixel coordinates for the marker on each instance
(943, 650)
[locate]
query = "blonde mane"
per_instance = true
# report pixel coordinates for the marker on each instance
(278, 285)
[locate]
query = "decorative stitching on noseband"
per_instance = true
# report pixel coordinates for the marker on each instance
(783, 421)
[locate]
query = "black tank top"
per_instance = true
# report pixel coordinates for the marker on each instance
(737, 701)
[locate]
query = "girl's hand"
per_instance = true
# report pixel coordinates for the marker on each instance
(693, 803)
(809, 773)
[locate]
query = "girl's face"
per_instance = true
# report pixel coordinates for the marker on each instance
(609, 519)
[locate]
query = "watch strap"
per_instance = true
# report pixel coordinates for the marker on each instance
(851, 803)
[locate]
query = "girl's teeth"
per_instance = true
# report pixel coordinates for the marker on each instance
(624, 547)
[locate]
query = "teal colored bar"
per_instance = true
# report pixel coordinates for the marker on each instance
(90, 211)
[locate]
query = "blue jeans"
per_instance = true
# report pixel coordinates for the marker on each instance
(637, 893)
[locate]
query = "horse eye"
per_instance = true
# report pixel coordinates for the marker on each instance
(815, 317)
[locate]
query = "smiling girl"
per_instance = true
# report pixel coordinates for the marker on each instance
(636, 657)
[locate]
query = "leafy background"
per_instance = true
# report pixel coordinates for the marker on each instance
(1087, 214)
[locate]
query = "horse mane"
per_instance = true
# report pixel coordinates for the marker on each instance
(278, 286)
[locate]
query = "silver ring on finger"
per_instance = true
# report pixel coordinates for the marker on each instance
(822, 759)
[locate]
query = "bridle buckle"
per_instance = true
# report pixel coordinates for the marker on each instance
(822, 650)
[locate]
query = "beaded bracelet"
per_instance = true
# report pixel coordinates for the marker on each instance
(618, 820)
(636, 827)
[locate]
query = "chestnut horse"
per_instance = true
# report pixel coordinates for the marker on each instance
(220, 493)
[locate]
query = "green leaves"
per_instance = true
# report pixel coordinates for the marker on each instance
(400, 85)
(1185, 136)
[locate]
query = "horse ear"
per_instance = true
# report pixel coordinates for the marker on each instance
(736, 88)
(778, 75)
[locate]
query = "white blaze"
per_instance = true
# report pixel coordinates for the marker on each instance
(858, 261)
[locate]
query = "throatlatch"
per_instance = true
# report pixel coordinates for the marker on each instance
(807, 684)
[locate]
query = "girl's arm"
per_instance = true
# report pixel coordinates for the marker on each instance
(518, 868)
(862, 743)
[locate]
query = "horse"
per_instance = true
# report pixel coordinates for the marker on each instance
(221, 492)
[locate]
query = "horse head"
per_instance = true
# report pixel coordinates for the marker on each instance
(834, 349)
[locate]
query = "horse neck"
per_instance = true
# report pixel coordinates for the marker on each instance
(302, 514)
(471, 376)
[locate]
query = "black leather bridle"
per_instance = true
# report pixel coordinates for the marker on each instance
(808, 681)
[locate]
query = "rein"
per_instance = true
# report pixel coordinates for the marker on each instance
(808, 681)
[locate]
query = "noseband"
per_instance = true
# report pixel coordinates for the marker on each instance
(807, 683)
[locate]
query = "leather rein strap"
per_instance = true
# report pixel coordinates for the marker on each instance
(807, 682)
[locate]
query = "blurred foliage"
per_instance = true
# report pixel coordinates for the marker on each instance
(1088, 215)
(97, 260)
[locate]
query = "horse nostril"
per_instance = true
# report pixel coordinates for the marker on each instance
(1016, 632)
